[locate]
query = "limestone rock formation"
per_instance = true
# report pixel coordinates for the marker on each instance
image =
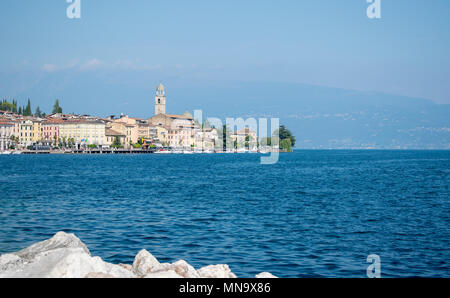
(216, 271)
(65, 256)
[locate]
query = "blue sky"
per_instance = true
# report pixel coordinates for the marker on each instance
(327, 43)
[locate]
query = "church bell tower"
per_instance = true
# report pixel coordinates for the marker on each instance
(160, 100)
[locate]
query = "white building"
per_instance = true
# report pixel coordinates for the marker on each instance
(6, 132)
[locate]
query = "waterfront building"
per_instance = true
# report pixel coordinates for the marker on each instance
(160, 134)
(83, 131)
(134, 129)
(37, 132)
(206, 139)
(50, 131)
(243, 136)
(6, 132)
(127, 130)
(26, 130)
(144, 130)
(177, 130)
(111, 135)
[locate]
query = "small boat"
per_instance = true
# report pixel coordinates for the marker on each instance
(5, 152)
(163, 152)
(188, 152)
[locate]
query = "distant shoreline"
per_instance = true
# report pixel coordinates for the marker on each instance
(127, 151)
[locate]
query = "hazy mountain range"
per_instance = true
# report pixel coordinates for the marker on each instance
(320, 117)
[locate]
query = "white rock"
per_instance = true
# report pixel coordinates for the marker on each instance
(216, 271)
(61, 256)
(163, 274)
(9, 262)
(65, 256)
(182, 268)
(8, 258)
(161, 267)
(65, 263)
(145, 263)
(265, 275)
(60, 240)
(126, 266)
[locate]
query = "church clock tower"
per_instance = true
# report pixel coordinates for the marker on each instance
(160, 100)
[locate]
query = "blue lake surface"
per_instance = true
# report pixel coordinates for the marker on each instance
(313, 214)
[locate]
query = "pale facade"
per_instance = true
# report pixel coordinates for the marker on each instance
(26, 131)
(111, 135)
(50, 131)
(83, 132)
(206, 139)
(6, 132)
(241, 136)
(161, 134)
(173, 130)
(37, 133)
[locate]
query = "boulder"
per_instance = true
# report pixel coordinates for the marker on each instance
(265, 275)
(145, 263)
(126, 266)
(60, 240)
(216, 271)
(62, 256)
(65, 256)
(182, 268)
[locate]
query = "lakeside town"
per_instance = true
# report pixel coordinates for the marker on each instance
(22, 132)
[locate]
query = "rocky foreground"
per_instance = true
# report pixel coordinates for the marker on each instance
(65, 256)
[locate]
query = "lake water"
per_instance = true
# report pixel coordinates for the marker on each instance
(314, 214)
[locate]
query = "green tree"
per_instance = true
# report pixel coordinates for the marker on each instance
(225, 140)
(116, 143)
(285, 133)
(286, 145)
(38, 112)
(247, 142)
(7, 106)
(286, 138)
(266, 141)
(56, 108)
(27, 110)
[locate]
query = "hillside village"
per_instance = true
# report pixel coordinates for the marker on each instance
(61, 131)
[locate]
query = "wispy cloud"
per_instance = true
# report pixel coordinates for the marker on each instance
(91, 64)
(49, 67)
(97, 64)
